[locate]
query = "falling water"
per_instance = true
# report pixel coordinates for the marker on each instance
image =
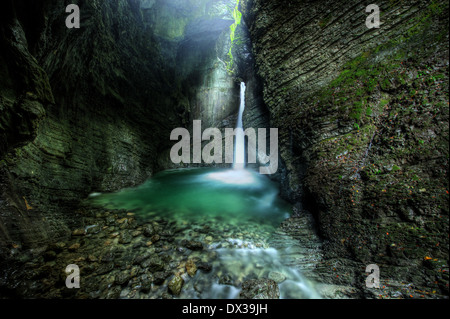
(234, 212)
(239, 147)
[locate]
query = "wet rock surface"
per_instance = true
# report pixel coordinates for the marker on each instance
(260, 289)
(117, 260)
(363, 122)
(238, 263)
(363, 131)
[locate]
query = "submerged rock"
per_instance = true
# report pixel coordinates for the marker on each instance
(154, 264)
(149, 230)
(260, 289)
(191, 268)
(146, 283)
(79, 232)
(225, 280)
(125, 237)
(277, 277)
(192, 244)
(159, 277)
(176, 284)
(122, 278)
(206, 267)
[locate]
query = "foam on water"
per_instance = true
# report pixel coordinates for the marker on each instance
(240, 209)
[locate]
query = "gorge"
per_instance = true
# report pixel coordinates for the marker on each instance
(86, 175)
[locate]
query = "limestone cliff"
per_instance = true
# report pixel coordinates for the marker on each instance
(363, 119)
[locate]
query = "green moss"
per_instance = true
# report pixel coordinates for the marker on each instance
(361, 78)
(356, 111)
(237, 15)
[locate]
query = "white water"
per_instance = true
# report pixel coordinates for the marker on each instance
(242, 263)
(239, 147)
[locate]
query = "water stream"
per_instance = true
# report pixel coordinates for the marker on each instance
(233, 212)
(239, 146)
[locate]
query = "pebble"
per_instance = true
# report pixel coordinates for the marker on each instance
(74, 247)
(121, 278)
(175, 285)
(149, 230)
(206, 267)
(192, 244)
(191, 268)
(208, 239)
(93, 229)
(78, 232)
(136, 233)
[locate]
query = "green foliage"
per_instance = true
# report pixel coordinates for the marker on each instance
(356, 111)
(237, 15)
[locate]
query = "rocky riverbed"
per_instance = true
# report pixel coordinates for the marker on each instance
(121, 256)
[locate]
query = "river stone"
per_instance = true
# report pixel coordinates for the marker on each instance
(277, 277)
(107, 256)
(121, 278)
(110, 220)
(74, 247)
(146, 282)
(92, 258)
(105, 268)
(58, 247)
(175, 285)
(208, 239)
(154, 264)
(149, 230)
(159, 277)
(94, 229)
(78, 232)
(225, 280)
(192, 244)
(136, 233)
(206, 267)
(113, 293)
(140, 258)
(191, 268)
(125, 237)
(260, 289)
(155, 238)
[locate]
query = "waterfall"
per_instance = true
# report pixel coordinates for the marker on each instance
(239, 146)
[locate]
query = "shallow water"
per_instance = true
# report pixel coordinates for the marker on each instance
(233, 213)
(203, 193)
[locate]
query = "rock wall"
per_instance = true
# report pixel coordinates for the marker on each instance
(83, 110)
(363, 121)
(91, 109)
